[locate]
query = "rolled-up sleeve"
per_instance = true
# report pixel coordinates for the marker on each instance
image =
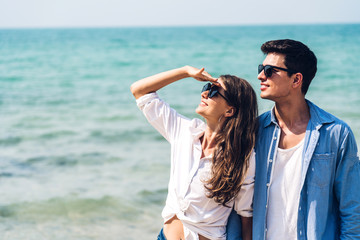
(244, 199)
(160, 115)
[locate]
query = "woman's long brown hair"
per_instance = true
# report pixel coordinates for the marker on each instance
(235, 141)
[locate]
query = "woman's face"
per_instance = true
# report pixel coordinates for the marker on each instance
(212, 109)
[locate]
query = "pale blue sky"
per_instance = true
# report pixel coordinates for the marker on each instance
(113, 13)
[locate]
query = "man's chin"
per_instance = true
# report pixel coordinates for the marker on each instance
(265, 96)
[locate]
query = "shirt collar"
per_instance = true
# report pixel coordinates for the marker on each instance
(197, 128)
(270, 118)
(318, 117)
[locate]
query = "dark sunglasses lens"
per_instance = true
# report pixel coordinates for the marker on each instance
(260, 68)
(213, 91)
(206, 87)
(268, 71)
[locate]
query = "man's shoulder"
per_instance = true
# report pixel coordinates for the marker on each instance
(324, 117)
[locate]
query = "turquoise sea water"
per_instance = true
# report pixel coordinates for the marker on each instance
(77, 158)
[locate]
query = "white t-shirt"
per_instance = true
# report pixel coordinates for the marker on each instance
(284, 194)
(186, 193)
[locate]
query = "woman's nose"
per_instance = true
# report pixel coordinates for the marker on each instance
(205, 94)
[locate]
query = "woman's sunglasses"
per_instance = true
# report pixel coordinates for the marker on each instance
(268, 69)
(213, 90)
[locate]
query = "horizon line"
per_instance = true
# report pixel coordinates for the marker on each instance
(175, 25)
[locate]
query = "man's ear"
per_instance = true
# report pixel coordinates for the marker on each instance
(297, 81)
(230, 112)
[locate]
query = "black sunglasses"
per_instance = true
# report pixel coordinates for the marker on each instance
(213, 90)
(268, 70)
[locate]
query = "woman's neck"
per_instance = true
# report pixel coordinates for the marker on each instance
(208, 142)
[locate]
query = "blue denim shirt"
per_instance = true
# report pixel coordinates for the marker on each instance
(329, 206)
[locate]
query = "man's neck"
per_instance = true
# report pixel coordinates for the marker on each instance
(292, 113)
(293, 118)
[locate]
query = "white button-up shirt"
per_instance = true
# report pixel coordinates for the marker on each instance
(186, 192)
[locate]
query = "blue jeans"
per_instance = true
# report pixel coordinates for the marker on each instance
(161, 235)
(233, 228)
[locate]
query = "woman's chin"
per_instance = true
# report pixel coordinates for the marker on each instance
(199, 111)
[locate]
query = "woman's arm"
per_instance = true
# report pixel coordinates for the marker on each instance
(160, 80)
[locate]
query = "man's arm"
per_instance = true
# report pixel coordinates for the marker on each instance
(246, 223)
(347, 189)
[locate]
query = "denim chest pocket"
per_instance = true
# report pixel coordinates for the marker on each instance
(321, 169)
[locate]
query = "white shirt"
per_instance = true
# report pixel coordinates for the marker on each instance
(284, 193)
(186, 193)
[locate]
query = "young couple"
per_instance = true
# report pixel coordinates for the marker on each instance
(306, 161)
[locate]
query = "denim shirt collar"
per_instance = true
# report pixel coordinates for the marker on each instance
(318, 117)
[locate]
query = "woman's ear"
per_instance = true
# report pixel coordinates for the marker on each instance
(230, 112)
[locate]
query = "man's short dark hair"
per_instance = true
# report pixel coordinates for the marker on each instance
(298, 57)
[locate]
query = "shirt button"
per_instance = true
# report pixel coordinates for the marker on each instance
(299, 208)
(274, 138)
(300, 232)
(270, 160)
(266, 205)
(268, 184)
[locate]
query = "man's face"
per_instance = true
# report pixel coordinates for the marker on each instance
(277, 87)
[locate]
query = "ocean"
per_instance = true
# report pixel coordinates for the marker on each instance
(78, 161)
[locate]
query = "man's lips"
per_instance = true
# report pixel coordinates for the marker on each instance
(263, 86)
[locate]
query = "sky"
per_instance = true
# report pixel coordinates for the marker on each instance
(120, 13)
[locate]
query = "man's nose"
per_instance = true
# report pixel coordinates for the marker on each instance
(261, 75)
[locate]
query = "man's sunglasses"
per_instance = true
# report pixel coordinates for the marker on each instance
(268, 69)
(213, 90)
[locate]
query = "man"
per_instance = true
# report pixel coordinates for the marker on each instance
(307, 162)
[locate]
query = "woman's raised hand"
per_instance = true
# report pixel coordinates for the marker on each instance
(160, 80)
(200, 75)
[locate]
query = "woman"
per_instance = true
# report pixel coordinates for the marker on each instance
(209, 161)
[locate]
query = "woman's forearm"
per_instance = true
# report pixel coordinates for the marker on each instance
(158, 81)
